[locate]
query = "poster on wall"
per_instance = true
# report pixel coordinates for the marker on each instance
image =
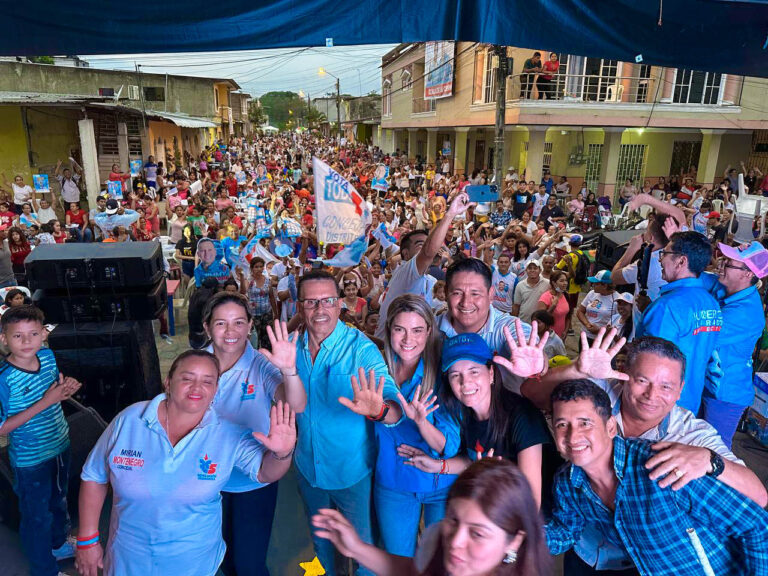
(438, 69)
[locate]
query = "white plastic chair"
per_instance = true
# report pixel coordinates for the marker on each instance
(614, 93)
(718, 205)
(644, 211)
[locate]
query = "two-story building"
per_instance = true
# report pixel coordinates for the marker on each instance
(602, 121)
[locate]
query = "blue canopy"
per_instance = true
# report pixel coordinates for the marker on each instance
(726, 36)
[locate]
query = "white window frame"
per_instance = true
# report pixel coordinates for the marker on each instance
(489, 84)
(406, 80)
(386, 94)
(721, 88)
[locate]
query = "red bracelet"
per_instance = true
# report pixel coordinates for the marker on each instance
(79, 547)
(444, 467)
(85, 538)
(381, 415)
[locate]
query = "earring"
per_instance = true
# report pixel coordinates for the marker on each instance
(511, 557)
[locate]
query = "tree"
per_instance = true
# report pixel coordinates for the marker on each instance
(282, 107)
(41, 59)
(315, 117)
(256, 114)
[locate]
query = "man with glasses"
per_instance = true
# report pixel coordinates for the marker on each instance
(685, 312)
(348, 390)
(728, 388)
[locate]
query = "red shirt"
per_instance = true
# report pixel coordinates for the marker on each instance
(76, 218)
(231, 186)
(549, 68)
(6, 219)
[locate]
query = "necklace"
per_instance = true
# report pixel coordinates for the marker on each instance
(167, 425)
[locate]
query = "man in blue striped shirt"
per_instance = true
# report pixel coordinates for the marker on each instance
(704, 527)
(31, 391)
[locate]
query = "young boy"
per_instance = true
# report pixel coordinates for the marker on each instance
(31, 391)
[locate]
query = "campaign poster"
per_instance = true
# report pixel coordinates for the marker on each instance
(136, 166)
(438, 69)
(41, 183)
(115, 189)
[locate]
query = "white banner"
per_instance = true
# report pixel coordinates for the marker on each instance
(342, 213)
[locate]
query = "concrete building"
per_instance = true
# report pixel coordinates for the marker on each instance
(241, 123)
(604, 121)
(101, 117)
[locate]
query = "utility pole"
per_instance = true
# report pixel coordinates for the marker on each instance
(501, 109)
(338, 108)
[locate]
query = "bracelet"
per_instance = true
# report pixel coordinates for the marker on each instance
(288, 375)
(443, 467)
(94, 535)
(88, 542)
(381, 415)
(281, 458)
(86, 546)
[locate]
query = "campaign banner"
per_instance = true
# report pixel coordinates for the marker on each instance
(41, 183)
(136, 166)
(438, 69)
(342, 213)
(383, 237)
(241, 178)
(350, 255)
(379, 181)
(115, 189)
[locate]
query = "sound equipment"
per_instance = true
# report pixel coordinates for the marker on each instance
(85, 428)
(611, 246)
(102, 305)
(88, 265)
(117, 362)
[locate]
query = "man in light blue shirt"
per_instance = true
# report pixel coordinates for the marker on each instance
(685, 313)
(336, 450)
(729, 388)
(114, 216)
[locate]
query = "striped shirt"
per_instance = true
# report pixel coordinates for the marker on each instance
(46, 435)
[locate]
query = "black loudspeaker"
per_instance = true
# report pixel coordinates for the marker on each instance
(102, 305)
(86, 265)
(85, 428)
(117, 362)
(611, 246)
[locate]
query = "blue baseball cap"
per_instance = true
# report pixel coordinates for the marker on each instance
(602, 277)
(465, 347)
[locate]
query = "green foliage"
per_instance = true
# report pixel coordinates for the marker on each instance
(283, 107)
(256, 114)
(41, 59)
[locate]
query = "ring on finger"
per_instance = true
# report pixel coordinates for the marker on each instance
(678, 473)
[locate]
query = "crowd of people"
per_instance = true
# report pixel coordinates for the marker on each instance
(473, 397)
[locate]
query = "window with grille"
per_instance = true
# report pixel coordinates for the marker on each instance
(489, 77)
(694, 87)
(643, 83)
(106, 137)
(154, 94)
(547, 160)
(685, 153)
(631, 162)
(594, 164)
(133, 125)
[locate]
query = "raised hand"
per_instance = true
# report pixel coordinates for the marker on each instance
(367, 397)
(595, 361)
(526, 358)
(459, 205)
(419, 408)
(282, 430)
(419, 459)
(331, 525)
(670, 226)
(283, 354)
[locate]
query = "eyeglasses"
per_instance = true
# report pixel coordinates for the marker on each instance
(663, 253)
(724, 264)
(312, 303)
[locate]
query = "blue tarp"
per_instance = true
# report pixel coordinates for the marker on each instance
(713, 35)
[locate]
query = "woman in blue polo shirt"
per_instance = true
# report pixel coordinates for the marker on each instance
(250, 382)
(167, 460)
(411, 349)
(494, 421)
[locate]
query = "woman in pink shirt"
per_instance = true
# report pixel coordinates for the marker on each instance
(546, 82)
(555, 302)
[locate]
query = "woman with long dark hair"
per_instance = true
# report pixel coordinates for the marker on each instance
(491, 528)
(19, 247)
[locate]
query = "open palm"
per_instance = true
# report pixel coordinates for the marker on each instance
(595, 360)
(526, 358)
(367, 397)
(419, 408)
(282, 430)
(283, 354)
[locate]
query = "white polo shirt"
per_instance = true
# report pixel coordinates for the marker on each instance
(244, 397)
(166, 508)
(405, 280)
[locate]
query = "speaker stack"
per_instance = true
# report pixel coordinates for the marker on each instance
(102, 298)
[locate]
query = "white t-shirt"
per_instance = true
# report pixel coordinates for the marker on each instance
(21, 194)
(503, 290)
(600, 309)
(655, 282)
(539, 201)
(288, 310)
(405, 280)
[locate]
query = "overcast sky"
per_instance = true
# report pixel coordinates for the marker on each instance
(261, 71)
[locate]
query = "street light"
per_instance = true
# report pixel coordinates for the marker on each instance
(322, 72)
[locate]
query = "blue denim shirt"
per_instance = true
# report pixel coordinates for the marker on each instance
(729, 377)
(686, 314)
(336, 447)
(391, 470)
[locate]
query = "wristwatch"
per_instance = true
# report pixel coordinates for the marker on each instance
(717, 464)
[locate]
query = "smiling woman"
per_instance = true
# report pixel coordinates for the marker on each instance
(153, 448)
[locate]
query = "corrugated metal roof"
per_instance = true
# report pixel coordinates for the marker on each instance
(183, 120)
(43, 98)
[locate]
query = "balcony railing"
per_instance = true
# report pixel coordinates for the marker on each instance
(421, 105)
(583, 88)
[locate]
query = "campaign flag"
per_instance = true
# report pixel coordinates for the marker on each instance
(289, 227)
(438, 69)
(379, 181)
(350, 255)
(41, 183)
(342, 213)
(115, 189)
(250, 251)
(135, 168)
(381, 235)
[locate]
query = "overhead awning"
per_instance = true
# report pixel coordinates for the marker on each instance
(182, 120)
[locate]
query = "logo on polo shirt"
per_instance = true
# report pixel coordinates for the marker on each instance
(208, 468)
(249, 391)
(128, 459)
